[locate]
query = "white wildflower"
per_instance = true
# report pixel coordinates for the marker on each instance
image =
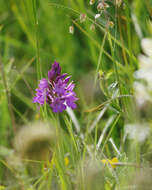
(145, 63)
(141, 94)
(146, 45)
(137, 131)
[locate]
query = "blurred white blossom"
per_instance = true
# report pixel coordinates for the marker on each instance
(145, 63)
(97, 16)
(144, 60)
(146, 45)
(141, 94)
(137, 131)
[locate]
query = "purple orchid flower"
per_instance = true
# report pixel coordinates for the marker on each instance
(56, 91)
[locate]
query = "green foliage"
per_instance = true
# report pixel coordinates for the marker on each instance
(102, 57)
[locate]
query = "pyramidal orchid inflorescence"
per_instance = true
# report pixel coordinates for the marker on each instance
(56, 90)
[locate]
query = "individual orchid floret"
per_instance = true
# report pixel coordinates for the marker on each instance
(55, 71)
(56, 90)
(41, 92)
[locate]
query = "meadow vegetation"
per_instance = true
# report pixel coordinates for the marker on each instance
(106, 48)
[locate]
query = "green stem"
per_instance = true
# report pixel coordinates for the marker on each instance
(8, 97)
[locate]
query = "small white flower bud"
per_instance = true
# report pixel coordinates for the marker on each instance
(71, 29)
(83, 17)
(92, 2)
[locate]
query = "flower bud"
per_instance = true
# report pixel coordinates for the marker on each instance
(82, 17)
(71, 29)
(111, 24)
(92, 2)
(105, 5)
(102, 5)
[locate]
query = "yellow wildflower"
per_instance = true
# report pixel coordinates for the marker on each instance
(66, 161)
(112, 162)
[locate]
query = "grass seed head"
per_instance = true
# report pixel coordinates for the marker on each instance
(34, 142)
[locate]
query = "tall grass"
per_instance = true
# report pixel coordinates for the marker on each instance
(112, 120)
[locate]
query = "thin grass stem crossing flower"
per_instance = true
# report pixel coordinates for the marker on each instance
(56, 90)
